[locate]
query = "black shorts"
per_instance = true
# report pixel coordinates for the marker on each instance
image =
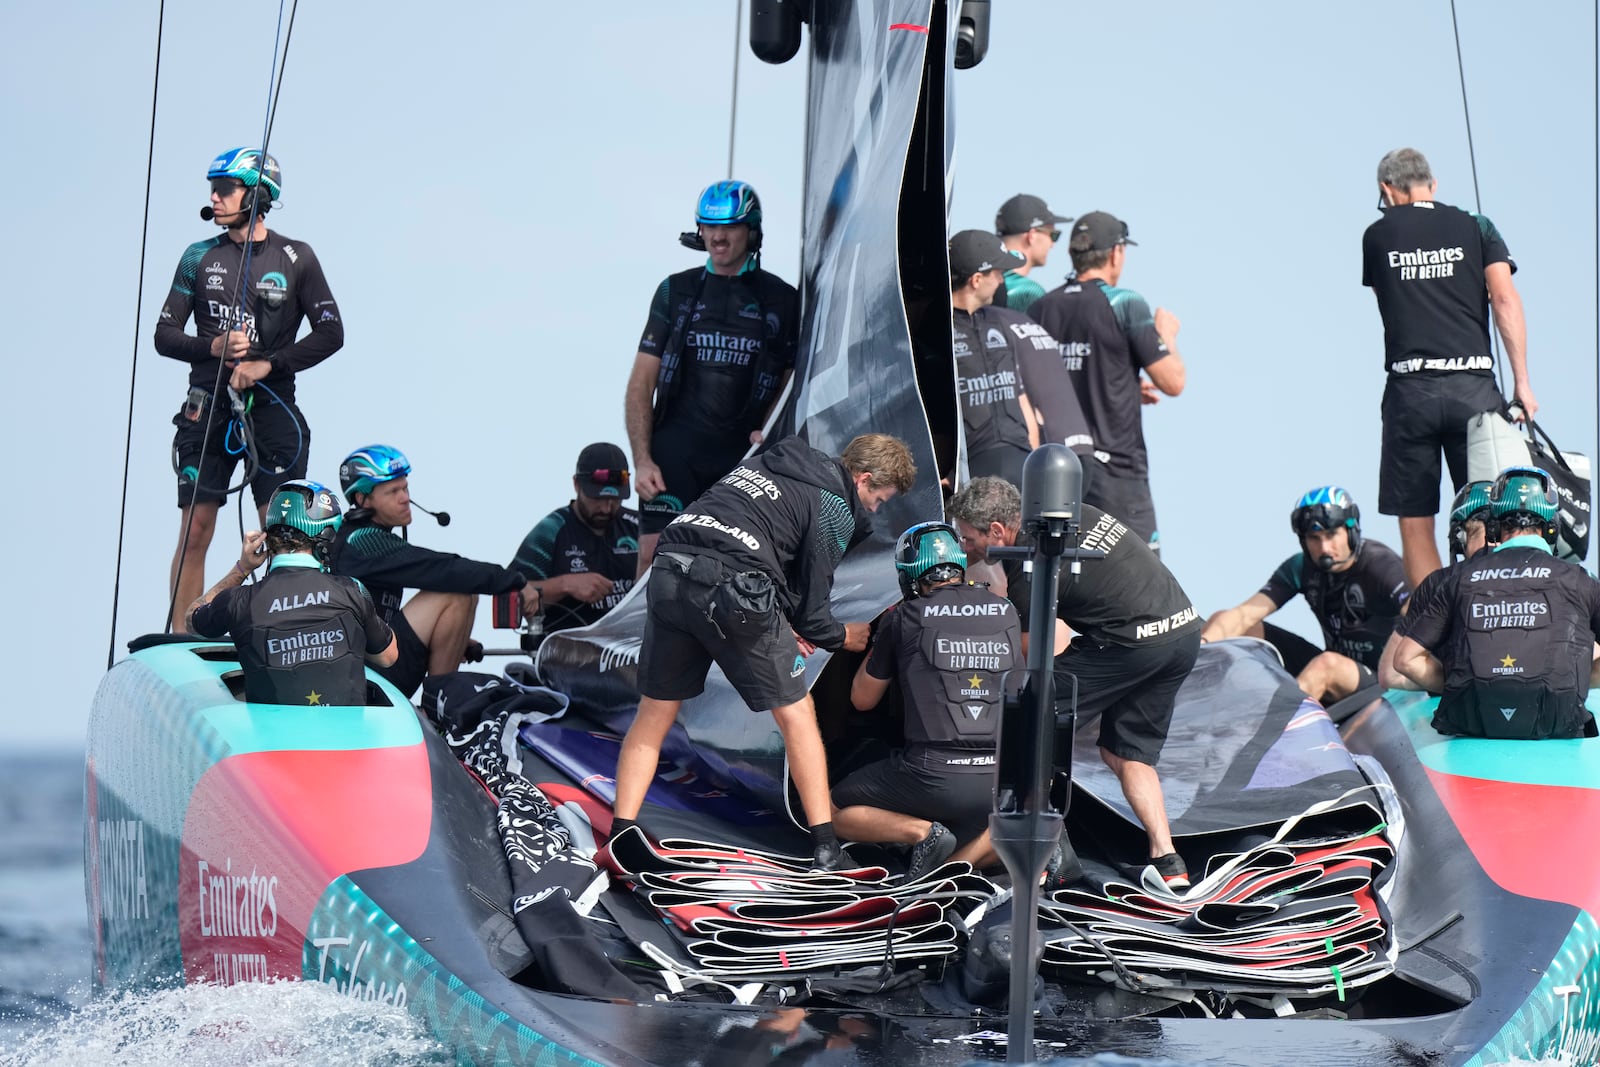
(698, 616)
(282, 445)
(1131, 691)
(690, 464)
(1002, 462)
(1423, 417)
(1126, 497)
(412, 665)
(925, 787)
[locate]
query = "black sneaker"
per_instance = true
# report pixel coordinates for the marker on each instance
(1172, 870)
(1064, 867)
(828, 857)
(931, 852)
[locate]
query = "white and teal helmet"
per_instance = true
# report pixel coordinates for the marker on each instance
(245, 164)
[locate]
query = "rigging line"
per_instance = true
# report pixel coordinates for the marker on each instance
(1472, 159)
(733, 94)
(274, 84)
(1595, 206)
(272, 116)
(133, 369)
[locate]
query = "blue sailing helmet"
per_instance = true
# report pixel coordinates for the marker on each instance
(244, 163)
(928, 550)
(1525, 491)
(1327, 508)
(1471, 502)
(367, 468)
(728, 203)
(305, 506)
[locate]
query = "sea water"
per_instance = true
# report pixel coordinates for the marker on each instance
(49, 1015)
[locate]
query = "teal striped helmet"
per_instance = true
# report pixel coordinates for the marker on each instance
(1525, 491)
(1327, 508)
(928, 550)
(728, 203)
(1471, 502)
(306, 507)
(245, 164)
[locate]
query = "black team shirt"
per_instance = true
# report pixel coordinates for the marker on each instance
(1425, 264)
(1357, 608)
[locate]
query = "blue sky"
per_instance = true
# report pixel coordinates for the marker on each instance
(495, 190)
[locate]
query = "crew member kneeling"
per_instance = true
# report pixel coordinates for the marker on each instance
(1509, 639)
(950, 645)
(302, 634)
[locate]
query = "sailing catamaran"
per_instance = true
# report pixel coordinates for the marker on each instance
(1373, 891)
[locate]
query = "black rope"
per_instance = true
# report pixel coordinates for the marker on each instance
(133, 366)
(733, 94)
(1472, 158)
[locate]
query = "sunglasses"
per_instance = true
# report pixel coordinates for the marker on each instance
(603, 476)
(1054, 235)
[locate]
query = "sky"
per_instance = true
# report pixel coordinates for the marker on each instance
(495, 190)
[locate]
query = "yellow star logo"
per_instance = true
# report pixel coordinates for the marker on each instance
(313, 697)
(1508, 661)
(975, 681)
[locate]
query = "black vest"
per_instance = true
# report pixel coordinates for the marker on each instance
(1517, 661)
(956, 644)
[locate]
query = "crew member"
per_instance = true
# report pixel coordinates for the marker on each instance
(716, 351)
(1469, 516)
(949, 644)
(1356, 588)
(585, 555)
(1136, 637)
(1108, 337)
(1435, 271)
(1509, 640)
(997, 421)
(742, 578)
(435, 626)
(248, 289)
(302, 634)
(1028, 228)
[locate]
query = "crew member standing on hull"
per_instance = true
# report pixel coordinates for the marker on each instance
(1136, 637)
(1435, 271)
(718, 346)
(248, 290)
(950, 645)
(585, 555)
(302, 634)
(1108, 336)
(1509, 640)
(434, 627)
(1355, 587)
(1028, 228)
(997, 422)
(742, 578)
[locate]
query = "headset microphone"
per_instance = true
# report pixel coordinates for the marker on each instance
(207, 214)
(441, 517)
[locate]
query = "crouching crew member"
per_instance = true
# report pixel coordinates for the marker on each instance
(302, 634)
(1508, 641)
(435, 626)
(949, 644)
(742, 578)
(1354, 586)
(1137, 636)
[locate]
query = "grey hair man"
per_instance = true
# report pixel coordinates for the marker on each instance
(1436, 271)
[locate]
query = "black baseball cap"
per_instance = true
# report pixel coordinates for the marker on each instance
(603, 471)
(1105, 231)
(1025, 212)
(973, 251)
